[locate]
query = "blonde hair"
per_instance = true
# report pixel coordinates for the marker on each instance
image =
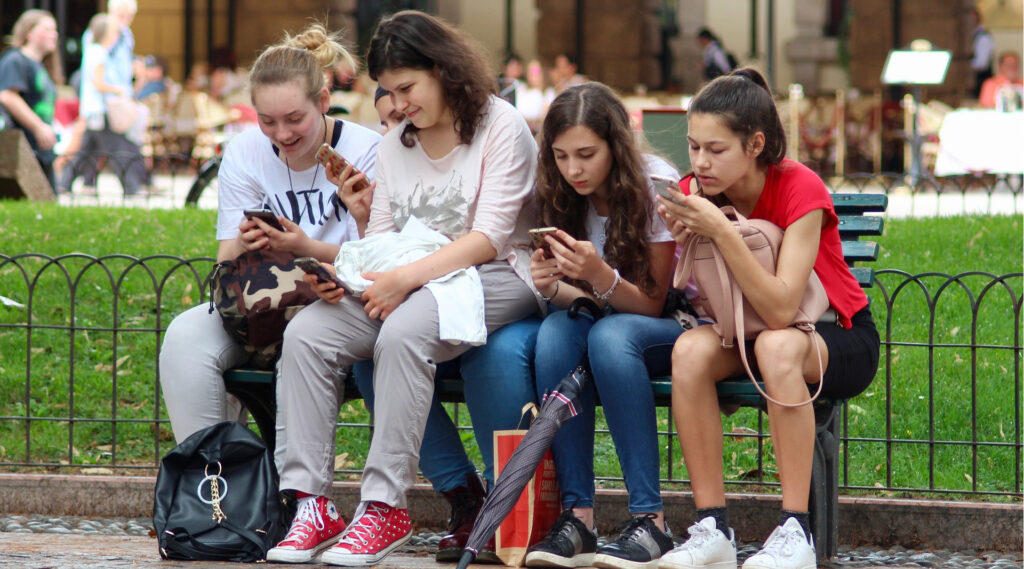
(302, 58)
(26, 22)
(99, 25)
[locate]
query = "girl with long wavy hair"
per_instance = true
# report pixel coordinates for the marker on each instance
(462, 164)
(593, 184)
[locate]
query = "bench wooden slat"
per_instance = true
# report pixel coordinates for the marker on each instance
(859, 203)
(853, 226)
(860, 251)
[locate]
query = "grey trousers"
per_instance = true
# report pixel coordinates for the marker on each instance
(195, 353)
(405, 349)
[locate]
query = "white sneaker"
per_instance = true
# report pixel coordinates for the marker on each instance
(787, 547)
(706, 548)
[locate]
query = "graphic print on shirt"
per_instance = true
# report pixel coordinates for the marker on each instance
(444, 208)
(308, 206)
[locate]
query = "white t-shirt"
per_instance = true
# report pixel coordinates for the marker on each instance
(482, 186)
(657, 232)
(90, 99)
(252, 176)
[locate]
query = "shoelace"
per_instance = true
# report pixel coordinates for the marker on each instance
(698, 536)
(364, 529)
(633, 529)
(778, 543)
(562, 525)
(307, 519)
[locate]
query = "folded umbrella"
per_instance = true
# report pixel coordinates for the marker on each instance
(559, 406)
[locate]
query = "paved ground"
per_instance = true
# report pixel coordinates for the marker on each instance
(38, 542)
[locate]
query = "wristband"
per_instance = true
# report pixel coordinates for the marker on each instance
(553, 295)
(603, 297)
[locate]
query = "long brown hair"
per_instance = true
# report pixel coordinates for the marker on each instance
(28, 20)
(415, 40)
(630, 209)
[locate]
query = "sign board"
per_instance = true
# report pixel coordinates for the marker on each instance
(909, 67)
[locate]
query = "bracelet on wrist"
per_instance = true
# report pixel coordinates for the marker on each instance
(603, 297)
(553, 294)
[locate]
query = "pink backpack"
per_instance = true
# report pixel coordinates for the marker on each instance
(721, 297)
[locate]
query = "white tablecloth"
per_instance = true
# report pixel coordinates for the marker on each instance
(981, 141)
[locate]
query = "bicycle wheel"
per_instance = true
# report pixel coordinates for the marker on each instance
(205, 185)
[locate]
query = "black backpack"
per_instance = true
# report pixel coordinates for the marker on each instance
(217, 497)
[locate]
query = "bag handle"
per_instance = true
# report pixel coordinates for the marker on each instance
(740, 337)
(529, 409)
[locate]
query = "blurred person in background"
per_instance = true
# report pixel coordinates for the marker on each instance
(534, 97)
(716, 60)
(983, 48)
(29, 72)
(98, 90)
(151, 77)
(564, 73)
(1005, 90)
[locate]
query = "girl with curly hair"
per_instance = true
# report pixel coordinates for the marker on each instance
(593, 184)
(462, 164)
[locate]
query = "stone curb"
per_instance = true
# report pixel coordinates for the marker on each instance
(922, 524)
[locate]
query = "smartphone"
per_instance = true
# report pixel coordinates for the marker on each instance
(537, 238)
(311, 266)
(335, 163)
(267, 216)
(663, 184)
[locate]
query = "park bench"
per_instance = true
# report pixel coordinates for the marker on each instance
(255, 388)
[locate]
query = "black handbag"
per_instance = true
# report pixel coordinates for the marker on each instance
(217, 497)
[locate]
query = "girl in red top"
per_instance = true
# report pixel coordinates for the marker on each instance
(737, 149)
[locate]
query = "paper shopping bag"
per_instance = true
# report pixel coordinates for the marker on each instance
(537, 508)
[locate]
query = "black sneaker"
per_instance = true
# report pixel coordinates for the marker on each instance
(568, 544)
(639, 546)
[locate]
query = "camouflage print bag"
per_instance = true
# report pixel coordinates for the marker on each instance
(256, 295)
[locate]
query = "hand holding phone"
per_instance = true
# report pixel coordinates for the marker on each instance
(335, 163)
(311, 266)
(663, 184)
(267, 216)
(538, 241)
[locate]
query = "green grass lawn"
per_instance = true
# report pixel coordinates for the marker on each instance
(113, 375)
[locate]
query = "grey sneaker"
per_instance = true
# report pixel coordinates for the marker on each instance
(639, 546)
(706, 548)
(568, 544)
(788, 547)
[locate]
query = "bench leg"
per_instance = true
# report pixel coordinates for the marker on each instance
(259, 399)
(824, 498)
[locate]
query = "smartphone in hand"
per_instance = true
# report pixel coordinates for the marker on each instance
(267, 216)
(663, 184)
(538, 241)
(311, 266)
(335, 163)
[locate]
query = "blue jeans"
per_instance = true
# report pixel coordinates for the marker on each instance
(624, 351)
(498, 381)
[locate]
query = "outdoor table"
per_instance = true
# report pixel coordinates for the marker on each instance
(973, 141)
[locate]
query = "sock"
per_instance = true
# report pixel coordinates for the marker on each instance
(721, 516)
(803, 517)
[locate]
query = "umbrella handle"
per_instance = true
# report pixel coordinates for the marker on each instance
(584, 303)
